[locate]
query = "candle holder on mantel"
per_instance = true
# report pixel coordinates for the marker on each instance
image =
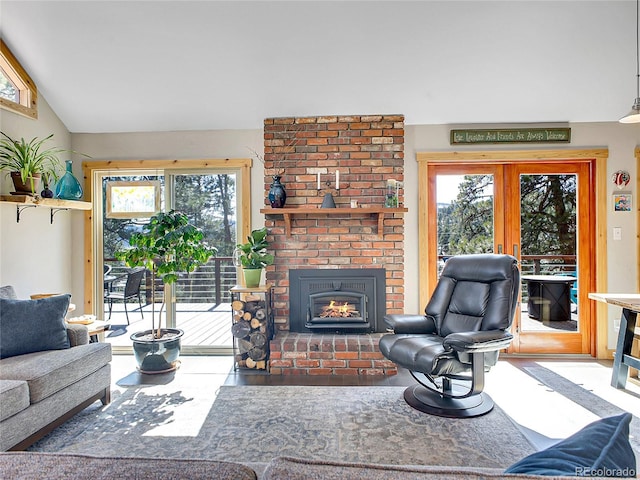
(328, 201)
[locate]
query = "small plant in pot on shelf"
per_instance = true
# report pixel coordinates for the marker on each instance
(27, 161)
(168, 247)
(253, 257)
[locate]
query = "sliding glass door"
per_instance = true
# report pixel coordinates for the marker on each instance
(198, 303)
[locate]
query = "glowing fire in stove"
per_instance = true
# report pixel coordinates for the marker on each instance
(341, 311)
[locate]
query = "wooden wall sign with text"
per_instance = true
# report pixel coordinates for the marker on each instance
(511, 135)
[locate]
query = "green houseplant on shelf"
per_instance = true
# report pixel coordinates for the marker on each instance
(252, 256)
(168, 246)
(27, 161)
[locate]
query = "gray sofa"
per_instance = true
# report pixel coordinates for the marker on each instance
(44, 466)
(42, 389)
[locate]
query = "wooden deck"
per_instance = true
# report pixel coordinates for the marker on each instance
(205, 325)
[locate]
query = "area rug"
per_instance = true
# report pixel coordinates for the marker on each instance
(257, 423)
(586, 399)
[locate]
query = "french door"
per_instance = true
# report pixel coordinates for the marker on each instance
(540, 212)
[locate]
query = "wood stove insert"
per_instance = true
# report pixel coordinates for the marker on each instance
(337, 300)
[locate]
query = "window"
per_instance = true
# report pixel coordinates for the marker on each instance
(18, 93)
(7, 89)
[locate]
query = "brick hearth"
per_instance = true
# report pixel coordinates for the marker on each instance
(328, 354)
(367, 150)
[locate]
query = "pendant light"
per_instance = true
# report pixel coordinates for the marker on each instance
(634, 115)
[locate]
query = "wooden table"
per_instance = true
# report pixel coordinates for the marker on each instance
(623, 359)
(96, 328)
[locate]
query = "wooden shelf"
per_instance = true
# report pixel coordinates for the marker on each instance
(54, 204)
(289, 212)
(261, 288)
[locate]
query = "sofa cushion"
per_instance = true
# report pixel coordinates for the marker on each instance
(14, 397)
(601, 448)
(33, 325)
(34, 465)
(288, 468)
(51, 371)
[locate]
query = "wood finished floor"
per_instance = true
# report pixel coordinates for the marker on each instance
(204, 324)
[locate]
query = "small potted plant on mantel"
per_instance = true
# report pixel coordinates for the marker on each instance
(168, 246)
(27, 161)
(252, 256)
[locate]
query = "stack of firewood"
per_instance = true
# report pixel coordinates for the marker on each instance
(250, 332)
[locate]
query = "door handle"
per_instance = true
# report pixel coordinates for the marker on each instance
(515, 250)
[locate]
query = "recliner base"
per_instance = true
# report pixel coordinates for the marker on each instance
(427, 401)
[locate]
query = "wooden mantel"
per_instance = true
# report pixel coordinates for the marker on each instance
(375, 211)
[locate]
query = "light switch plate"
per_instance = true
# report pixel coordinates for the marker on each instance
(617, 233)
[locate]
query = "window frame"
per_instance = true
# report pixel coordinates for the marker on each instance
(93, 172)
(28, 105)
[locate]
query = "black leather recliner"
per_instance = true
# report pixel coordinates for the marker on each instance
(459, 337)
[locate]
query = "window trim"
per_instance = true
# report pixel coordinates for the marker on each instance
(28, 105)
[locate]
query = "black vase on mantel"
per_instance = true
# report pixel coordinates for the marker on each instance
(277, 193)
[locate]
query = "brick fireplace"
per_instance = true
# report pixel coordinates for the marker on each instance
(367, 151)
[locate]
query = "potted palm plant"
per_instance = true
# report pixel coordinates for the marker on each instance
(168, 246)
(27, 161)
(252, 256)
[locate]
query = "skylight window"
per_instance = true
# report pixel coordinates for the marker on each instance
(18, 93)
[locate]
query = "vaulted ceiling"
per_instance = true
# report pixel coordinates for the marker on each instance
(117, 66)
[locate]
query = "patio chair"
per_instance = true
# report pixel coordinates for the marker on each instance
(131, 290)
(460, 336)
(107, 278)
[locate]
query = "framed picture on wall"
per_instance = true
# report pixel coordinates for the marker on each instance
(135, 199)
(622, 202)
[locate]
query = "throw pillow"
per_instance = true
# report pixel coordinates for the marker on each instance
(600, 449)
(33, 325)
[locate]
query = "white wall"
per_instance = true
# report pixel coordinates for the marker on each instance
(35, 256)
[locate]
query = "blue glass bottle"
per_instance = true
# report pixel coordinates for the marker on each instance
(68, 187)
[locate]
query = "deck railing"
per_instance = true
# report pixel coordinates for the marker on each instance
(537, 265)
(209, 283)
(547, 264)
